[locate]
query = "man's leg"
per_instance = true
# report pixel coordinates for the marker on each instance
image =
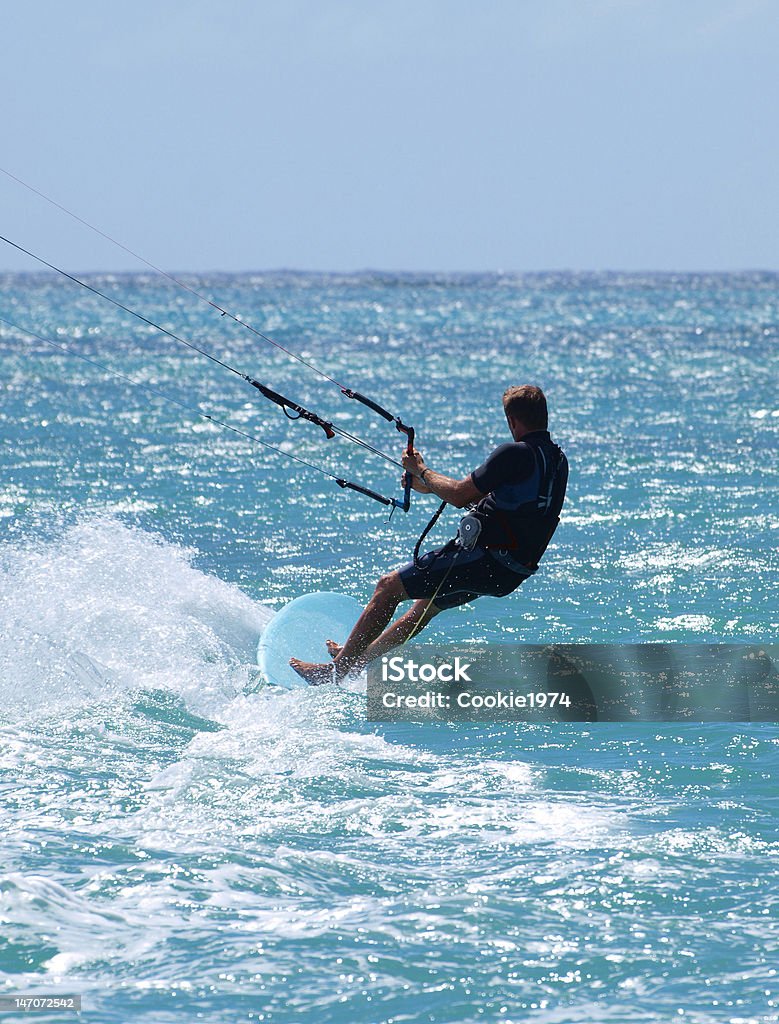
(379, 610)
(408, 625)
(387, 596)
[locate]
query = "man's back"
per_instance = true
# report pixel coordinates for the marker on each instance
(524, 484)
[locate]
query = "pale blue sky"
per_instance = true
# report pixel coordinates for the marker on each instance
(408, 135)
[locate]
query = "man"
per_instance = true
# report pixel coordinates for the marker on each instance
(518, 493)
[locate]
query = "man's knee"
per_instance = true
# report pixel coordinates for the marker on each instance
(390, 587)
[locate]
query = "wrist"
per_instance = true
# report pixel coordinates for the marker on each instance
(422, 474)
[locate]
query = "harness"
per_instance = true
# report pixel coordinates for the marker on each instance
(537, 513)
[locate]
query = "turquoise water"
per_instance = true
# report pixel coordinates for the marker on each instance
(181, 843)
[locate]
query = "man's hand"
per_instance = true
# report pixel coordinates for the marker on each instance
(416, 484)
(413, 463)
(457, 492)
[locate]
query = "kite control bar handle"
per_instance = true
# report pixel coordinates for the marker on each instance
(369, 402)
(285, 403)
(369, 493)
(409, 432)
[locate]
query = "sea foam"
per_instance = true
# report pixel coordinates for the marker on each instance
(106, 606)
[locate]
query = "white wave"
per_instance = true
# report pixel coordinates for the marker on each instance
(106, 606)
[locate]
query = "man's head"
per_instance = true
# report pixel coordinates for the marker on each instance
(525, 409)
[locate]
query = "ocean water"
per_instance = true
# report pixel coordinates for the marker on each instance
(182, 843)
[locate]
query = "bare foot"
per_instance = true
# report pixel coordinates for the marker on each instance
(333, 649)
(313, 674)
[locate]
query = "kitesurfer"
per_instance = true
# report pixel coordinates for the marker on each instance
(517, 494)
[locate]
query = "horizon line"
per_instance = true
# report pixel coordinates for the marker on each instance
(371, 271)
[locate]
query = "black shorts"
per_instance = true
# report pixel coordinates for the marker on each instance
(452, 576)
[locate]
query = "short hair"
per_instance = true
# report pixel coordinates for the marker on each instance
(527, 403)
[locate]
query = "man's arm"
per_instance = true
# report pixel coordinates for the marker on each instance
(457, 492)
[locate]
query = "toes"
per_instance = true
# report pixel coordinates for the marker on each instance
(333, 649)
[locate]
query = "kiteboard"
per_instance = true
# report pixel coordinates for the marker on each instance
(300, 630)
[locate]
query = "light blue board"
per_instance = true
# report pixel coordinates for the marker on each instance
(300, 629)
